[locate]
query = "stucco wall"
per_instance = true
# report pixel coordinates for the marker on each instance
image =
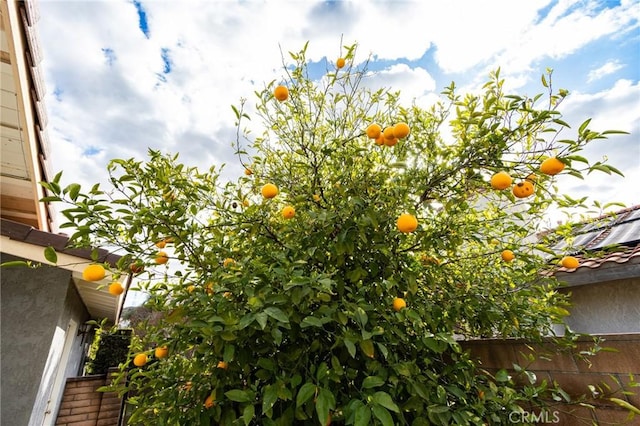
(75, 309)
(608, 307)
(33, 302)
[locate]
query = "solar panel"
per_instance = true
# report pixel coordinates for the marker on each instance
(624, 233)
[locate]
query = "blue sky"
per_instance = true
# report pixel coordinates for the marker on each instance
(124, 76)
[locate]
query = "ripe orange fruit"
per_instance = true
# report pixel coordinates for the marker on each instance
(388, 133)
(399, 304)
(93, 273)
(227, 262)
(380, 139)
(390, 142)
(223, 365)
(316, 197)
(551, 166)
(281, 93)
(161, 244)
(140, 360)
(501, 180)
(507, 255)
(407, 223)
(288, 212)
(161, 352)
(191, 288)
(116, 288)
(161, 258)
(523, 189)
(531, 177)
(570, 262)
(340, 63)
(269, 190)
(248, 171)
(209, 402)
(373, 131)
(401, 130)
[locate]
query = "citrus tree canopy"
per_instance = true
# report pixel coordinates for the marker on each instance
(333, 279)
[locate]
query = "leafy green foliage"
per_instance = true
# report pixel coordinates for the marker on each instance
(303, 316)
(108, 350)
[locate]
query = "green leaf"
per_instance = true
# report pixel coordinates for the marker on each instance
(246, 320)
(261, 318)
(438, 409)
(384, 399)
(229, 352)
(324, 403)
(372, 382)
(305, 393)
(624, 404)
(311, 321)
(248, 414)
(563, 124)
(267, 364)
(336, 366)
(361, 316)
(235, 111)
(600, 167)
(269, 398)
(239, 395)
(50, 254)
(502, 375)
(579, 158)
(583, 126)
(362, 415)
(14, 263)
(56, 178)
(73, 190)
(383, 415)
(50, 199)
(277, 314)
(614, 170)
(435, 345)
(351, 347)
(367, 348)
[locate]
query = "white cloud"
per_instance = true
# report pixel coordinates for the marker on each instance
(414, 84)
(617, 108)
(606, 69)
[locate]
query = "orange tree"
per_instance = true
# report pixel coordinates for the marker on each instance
(333, 280)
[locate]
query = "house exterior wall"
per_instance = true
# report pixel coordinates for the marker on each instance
(36, 306)
(606, 307)
(83, 404)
